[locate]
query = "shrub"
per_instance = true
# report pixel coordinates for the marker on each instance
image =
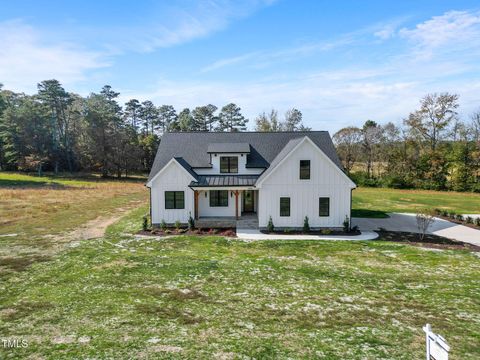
(145, 222)
(459, 217)
(445, 213)
(452, 215)
(425, 219)
(306, 225)
(469, 220)
(326, 231)
(361, 178)
(346, 224)
(270, 226)
(355, 228)
(437, 211)
(191, 222)
(163, 225)
(477, 221)
(229, 233)
(177, 225)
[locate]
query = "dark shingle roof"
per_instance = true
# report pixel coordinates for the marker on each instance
(228, 148)
(186, 166)
(264, 147)
(225, 180)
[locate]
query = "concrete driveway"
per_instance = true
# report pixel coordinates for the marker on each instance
(408, 223)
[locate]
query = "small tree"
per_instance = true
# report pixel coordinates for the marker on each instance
(306, 225)
(270, 226)
(425, 219)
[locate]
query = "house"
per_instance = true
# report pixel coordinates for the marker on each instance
(218, 177)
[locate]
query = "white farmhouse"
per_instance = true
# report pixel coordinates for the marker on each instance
(224, 178)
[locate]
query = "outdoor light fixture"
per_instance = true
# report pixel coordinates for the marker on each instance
(205, 194)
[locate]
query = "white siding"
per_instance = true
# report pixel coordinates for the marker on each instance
(172, 178)
(325, 181)
(204, 208)
(242, 169)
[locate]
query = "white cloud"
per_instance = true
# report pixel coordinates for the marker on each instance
(177, 25)
(26, 58)
(452, 30)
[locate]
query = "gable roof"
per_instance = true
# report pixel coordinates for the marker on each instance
(192, 147)
(281, 155)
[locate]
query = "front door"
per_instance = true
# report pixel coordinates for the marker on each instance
(248, 201)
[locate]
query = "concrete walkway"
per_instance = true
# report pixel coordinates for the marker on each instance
(254, 234)
(408, 223)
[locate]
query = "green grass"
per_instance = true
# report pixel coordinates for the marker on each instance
(376, 202)
(207, 297)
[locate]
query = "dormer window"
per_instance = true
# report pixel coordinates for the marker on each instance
(228, 164)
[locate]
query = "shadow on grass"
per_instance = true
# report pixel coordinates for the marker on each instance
(31, 184)
(367, 213)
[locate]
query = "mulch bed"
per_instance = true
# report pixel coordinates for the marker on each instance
(429, 241)
(228, 232)
(315, 232)
(473, 226)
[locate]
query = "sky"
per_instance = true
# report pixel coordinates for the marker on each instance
(339, 62)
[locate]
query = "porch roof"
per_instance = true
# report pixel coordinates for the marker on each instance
(224, 180)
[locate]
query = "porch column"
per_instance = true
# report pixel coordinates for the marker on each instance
(236, 204)
(195, 197)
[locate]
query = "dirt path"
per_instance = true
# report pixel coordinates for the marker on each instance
(96, 228)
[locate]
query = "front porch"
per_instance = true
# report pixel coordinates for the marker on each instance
(225, 205)
(246, 221)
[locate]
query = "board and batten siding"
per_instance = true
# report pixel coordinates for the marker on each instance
(172, 178)
(325, 181)
(205, 210)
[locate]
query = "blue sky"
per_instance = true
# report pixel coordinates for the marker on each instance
(340, 62)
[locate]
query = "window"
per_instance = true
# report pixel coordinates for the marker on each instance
(218, 198)
(174, 200)
(229, 164)
(284, 206)
(304, 169)
(324, 206)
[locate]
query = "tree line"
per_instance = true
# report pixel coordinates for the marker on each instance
(431, 149)
(56, 130)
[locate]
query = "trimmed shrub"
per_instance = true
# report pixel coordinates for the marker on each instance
(286, 230)
(306, 225)
(459, 217)
(177, 225)
(346, 224)
(477, 221)
(326, 231)
(163, 225)
(270, 226)
(145, 222)
(191, 222)
(469, 220)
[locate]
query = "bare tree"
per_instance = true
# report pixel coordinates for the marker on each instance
(436, 113)
(347, 142)
(425, 218)
(371, 136)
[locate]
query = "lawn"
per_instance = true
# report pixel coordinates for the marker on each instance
(35, 211)
(376, 202)
(123, 296)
